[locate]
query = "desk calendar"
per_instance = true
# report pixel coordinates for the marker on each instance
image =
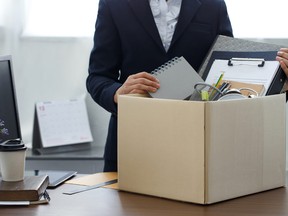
(58, 123)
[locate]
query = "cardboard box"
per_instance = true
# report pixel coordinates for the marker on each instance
(201, 152)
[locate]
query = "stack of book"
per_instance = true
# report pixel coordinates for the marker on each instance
(32, 190)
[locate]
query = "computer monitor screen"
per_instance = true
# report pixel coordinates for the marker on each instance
(9, 119)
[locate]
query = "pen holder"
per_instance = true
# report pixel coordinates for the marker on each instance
(203, 89)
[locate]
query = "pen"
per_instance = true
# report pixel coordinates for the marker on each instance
(219, 79)
(227, 88)
(223, 86)
(217, 83)
(221, 89)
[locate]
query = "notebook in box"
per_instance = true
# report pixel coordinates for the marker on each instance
(177, 79)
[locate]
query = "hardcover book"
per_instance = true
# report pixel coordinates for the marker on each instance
(31, 188)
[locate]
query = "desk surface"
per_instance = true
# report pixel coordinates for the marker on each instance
(109, 202)
(87, 160)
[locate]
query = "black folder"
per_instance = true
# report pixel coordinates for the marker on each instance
(278, 80)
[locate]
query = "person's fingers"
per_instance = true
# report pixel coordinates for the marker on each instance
(139, 83)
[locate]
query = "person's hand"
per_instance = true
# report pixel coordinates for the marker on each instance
(139, 83)
(282, 57)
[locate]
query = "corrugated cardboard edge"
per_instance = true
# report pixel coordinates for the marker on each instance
(257, 153)
(187, 174)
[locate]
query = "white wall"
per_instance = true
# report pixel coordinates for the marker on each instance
(47, 69)
(53, 70)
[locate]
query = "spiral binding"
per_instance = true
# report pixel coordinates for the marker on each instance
(165, 66)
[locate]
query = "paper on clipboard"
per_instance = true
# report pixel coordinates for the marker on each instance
(244, 72)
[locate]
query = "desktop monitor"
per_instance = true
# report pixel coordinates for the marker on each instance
(9, 118)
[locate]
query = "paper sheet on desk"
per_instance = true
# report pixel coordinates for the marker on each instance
(97, 178)
(244, 72)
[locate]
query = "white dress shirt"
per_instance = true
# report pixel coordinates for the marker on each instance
(166, 15)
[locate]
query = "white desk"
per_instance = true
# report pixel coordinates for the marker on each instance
(85, 161)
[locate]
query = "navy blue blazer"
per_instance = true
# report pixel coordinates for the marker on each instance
(126, 41)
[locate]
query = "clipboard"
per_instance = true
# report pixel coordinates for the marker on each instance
(277, 81)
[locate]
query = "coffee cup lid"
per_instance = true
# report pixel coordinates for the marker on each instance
(12, 145)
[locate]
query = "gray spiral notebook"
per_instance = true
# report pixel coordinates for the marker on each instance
(177, 79)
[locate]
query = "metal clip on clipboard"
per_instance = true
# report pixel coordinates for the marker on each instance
(239, 60)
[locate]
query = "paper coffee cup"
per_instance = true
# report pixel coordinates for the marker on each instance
(12, 160)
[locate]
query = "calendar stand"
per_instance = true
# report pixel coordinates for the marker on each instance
(37, 146)
(51, 120)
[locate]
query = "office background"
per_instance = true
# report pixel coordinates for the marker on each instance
(50, 42)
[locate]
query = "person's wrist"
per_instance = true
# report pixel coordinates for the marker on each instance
(116, 95)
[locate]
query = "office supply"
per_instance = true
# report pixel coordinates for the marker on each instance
(199, 87)
(91, 187)
(258, 88)
(56, 177)
(231, 44)
(207, 92)
(216, 85)
(256, 49)
(204, 95)
(247, 90)
(247, 61)
(93, 179)
(9, 118)
(210, 151)
(177, 79)
(97, 178)
(61, 123)
(31, 188)
(249, 70)
(223, 86)
(232, 96)
(219, 80)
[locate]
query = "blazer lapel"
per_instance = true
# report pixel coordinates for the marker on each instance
(142, 11)
(187, 12)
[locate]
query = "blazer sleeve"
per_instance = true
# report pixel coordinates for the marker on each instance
(104, 63)
(224, 26)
